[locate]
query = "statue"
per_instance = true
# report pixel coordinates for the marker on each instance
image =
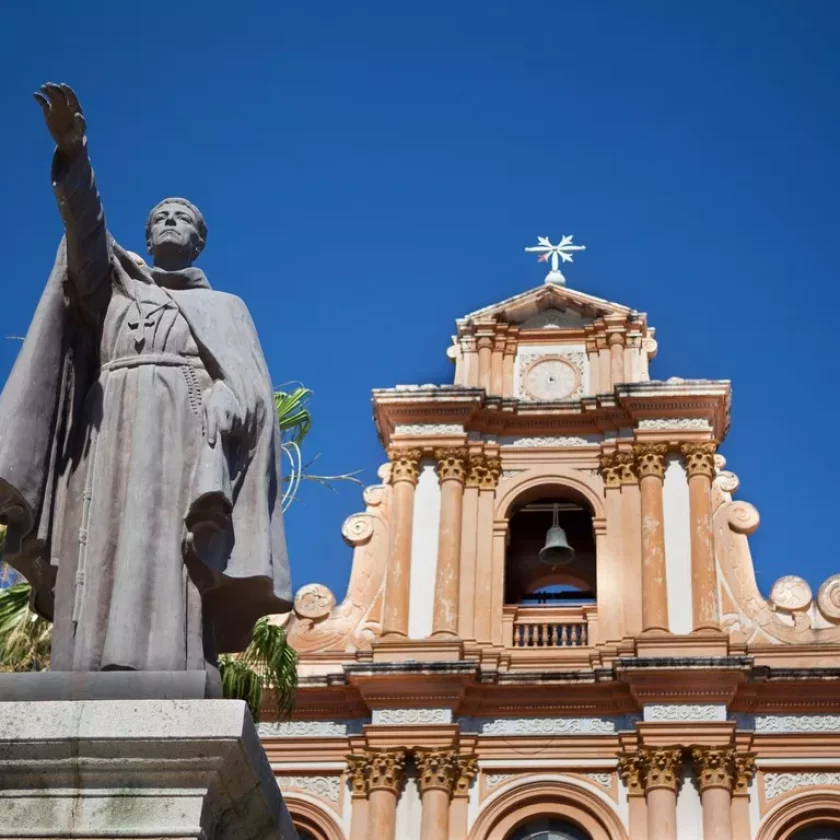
(139, 447)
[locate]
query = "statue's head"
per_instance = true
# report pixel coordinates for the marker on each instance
(175, 233)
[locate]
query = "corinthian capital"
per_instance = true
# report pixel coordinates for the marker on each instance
(626, 462)
(744, 772)
(452, 464)
(699, 458)
(610, 471)
(662, 768)
(436, 769)
(631, 770)
(387, 770)
(466, 771)
(358, 774)
(405, 465)
(484, 471)
(714, 767)
(650, 459)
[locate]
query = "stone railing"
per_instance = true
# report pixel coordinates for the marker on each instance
(550, 626)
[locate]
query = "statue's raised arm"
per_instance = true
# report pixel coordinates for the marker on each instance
(77, 196)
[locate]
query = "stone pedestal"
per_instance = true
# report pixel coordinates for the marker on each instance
(136, 768)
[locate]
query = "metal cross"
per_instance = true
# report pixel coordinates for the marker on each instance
(562, 251)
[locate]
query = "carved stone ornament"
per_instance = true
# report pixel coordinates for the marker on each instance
(428, 429)
(357, 529)
(387, 770)
(662, 768)
(791, 594)
(603, 779)
(314, 601)
(699, 458)
(714, 767)
(484, 471)
(682, 712)
(546, 726)
(358, 774)
(327, 787)
(675, 424)
(828, 598)
(777, 784)
(306, 728)
(796, 723)
(436, 769)
(627, 467)
(405, 465)
(610, 471)
(550, 440)
(403, 717)
(452, 464)
(631, 771)
(467, 770)
(744, 772)
(727, 481)
(743, 518)
(650, 459)
(495, 779)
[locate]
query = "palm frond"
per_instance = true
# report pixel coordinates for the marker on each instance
(293, 413)
(25, 637)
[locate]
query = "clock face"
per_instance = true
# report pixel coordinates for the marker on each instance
(551, 379)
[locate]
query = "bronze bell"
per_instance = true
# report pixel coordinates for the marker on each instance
(556, 551)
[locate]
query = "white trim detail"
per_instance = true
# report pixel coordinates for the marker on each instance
(397, 717)
(428, 429)
(684, 712)
(776, 784)
(326, 787)
(308, 728)
(555, 440)
(797, 723)
(543, 726)
(694, 423)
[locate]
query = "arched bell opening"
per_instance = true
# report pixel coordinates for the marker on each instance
(550, 582)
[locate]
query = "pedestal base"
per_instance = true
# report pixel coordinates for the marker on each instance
(136, 768)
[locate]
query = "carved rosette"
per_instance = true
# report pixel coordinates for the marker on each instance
(662, 768)
(387, 770)
(466, 771)
(650, 459)
(631, 770)
(713, 767)
(405, 465)
(610, 470)
(436, 770)
(452, 464)
(700, 458)
(484, 471)
(626, 462)
(744, 772)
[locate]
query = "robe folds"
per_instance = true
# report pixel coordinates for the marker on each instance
(106, 472)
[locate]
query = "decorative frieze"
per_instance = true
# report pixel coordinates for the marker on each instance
(675, 424)
(398, 717)
(699, 458)
(542, 726)
(428, 429)
(436, 769)
(680, 712)
(777, 784)
(796, 723)
(452, 464)
(308, 728)
(326, 787)
(549, 440)
(603, 779)
(714, 767)
(650, 459)
(405, 465)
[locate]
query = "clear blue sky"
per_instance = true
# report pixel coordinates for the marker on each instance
(371, 171)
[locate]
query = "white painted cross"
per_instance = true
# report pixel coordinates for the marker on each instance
(562, 251)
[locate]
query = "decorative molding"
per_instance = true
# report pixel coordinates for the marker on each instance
(714, 767)
(744, 772)
(506, 474)
(545, 726)
(386, 770)
(428, 429)
(777, 784)
(492, 780)
(631, 771)
(308, 728)
(452, 463)
(828, 598)
(326, 787)
(650, 459)
(699, 458)
(675, 424)
(610, 470)
(680, 712)
(314, 600)
(524, 360)
(554, 319)
(405, 465)
(436, 769)
(467, 770)
(603, 779)
(791, 593)
(662, 768)
(796, 723)
(398, 717)
(560, 440)
(484, 471)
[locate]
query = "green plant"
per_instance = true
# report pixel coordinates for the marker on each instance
(25, 637)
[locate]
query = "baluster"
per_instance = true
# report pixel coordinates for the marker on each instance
(584, 633)
(553, 639)
(544, 635)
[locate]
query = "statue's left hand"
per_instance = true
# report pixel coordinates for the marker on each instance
(63, 115)
(222, 412)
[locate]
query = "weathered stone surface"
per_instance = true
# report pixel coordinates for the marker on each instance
(145, 768)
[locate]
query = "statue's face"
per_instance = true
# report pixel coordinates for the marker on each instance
(174, 230)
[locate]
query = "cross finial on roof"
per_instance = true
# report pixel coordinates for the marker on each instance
(562, 251)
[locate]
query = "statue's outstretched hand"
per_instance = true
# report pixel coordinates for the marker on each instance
(63, 115)
(222, 412)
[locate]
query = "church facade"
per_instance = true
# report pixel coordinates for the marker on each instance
(552, 627)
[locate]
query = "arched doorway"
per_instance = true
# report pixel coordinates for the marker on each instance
(817, 832)
(549, 828)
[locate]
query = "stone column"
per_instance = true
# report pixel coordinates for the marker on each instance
(497, 361)
(662, 770)
(466, 771)
(386, 778)
(744, 772)
(485, 470)
(700, 466)
(616, 342)
(610, 567)
(714, 768)
(605, 386)
(358, 774)
(631, 542)
(452, 472)
(405, 469)
(436, 770)
(650, 466)
(632, 773)
(484, 343)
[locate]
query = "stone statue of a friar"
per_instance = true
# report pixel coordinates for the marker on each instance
(139, 447)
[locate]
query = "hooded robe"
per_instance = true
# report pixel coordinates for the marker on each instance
(148, 547)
